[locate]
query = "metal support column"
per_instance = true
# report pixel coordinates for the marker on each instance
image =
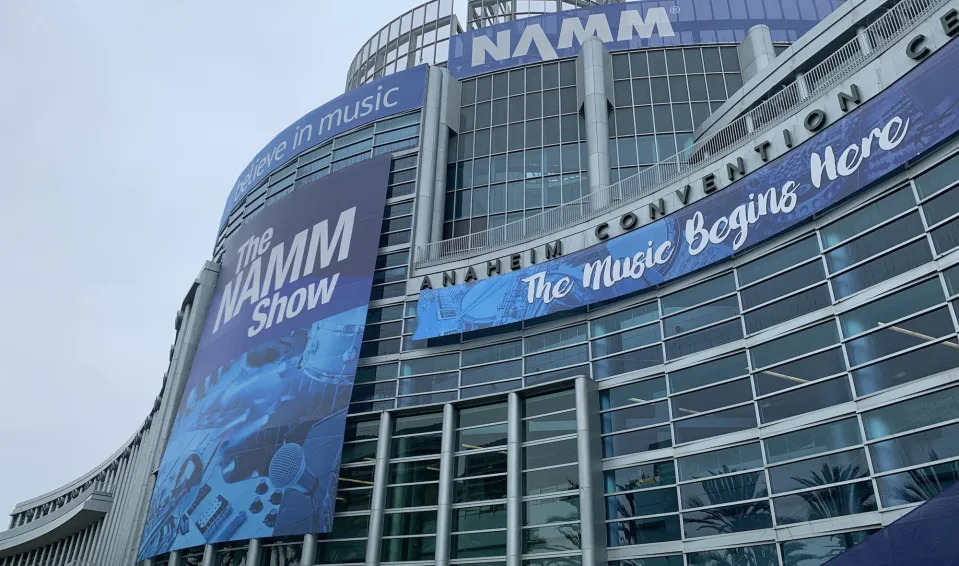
(381, 472)
(449, 98)
(308, 557)
(208, 551)
(426, 169)
(755, 51)
(175, 558)
(592, 524)
(445, 497)
(253, 554)
(594, 92)
(514, 481)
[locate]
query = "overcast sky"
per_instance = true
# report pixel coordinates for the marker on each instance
(123, 125)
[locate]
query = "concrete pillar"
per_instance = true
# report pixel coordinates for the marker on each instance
(308, 557)
(381, 473)
(175, 558)
(802, 86)
(756, 51)
(588, 443)
(514, 481)
(594, 91)
(445, 497)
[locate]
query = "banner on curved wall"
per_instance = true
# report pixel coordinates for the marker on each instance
(879, 138)
(256, 445)
(379, 99)
(633, 25)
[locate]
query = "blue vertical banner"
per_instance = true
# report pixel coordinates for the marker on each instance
(881, 137)
(256, 445)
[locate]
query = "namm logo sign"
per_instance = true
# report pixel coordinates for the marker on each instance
(512, 43)
(632, 25)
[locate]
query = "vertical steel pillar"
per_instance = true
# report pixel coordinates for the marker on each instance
(592, 524)
(514, 481)
(594, 92)
(381, 473)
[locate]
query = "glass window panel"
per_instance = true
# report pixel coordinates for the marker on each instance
(724, 461)
(479, 489)
(482, 437)
(906, 367)
(805, 370)
(419, 471)
(726, 520)
(712, 398)
(417, 495)
(429, 383)
(946, 237)
(874, 242)
(634, 316)
(549, 403)
(723, 490)
(405, 549)
(819, 550)
(557, 358)
(704, 339)
(805, 400)
(363, 430)
(715, 424)
(399, 524)
(821, 470)
(642, 503)
(473, 416)
(630, 361)
(635, 416)
(905, 334)
(435, 364)
(918, 448)
(912, 413)
(643, 476)
(698, 294)
(481, 464)
(552, 510)
(709, 372)
(701, 316)
(637, 441)
(837, 501)
(476, 545)
(761, 555)
(408, 446)
(644, 531)
(492, 372)
(938, 177)
(556, 338)
(628, 340)
(867, 217)
(916, 486)
(479, 518)
(795, 344)
(788, 309)
(551, 480)
(813, 440)
(551, 539)
(557, 424)
(783, 284)
(549, 454)
(637, 392)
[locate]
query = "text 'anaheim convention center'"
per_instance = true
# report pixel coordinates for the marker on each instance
(570, 283)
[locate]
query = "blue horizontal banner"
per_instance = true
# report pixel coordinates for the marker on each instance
(877, 139)
(379, 99)
(634, 25)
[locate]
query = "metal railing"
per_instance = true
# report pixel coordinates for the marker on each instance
(845, 60)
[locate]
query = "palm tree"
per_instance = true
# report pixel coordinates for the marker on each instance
(926, 483)
(735, 518)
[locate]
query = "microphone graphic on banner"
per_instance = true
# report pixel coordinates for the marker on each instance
(288, 470)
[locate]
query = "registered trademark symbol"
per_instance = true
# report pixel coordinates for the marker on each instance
(674, 9)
